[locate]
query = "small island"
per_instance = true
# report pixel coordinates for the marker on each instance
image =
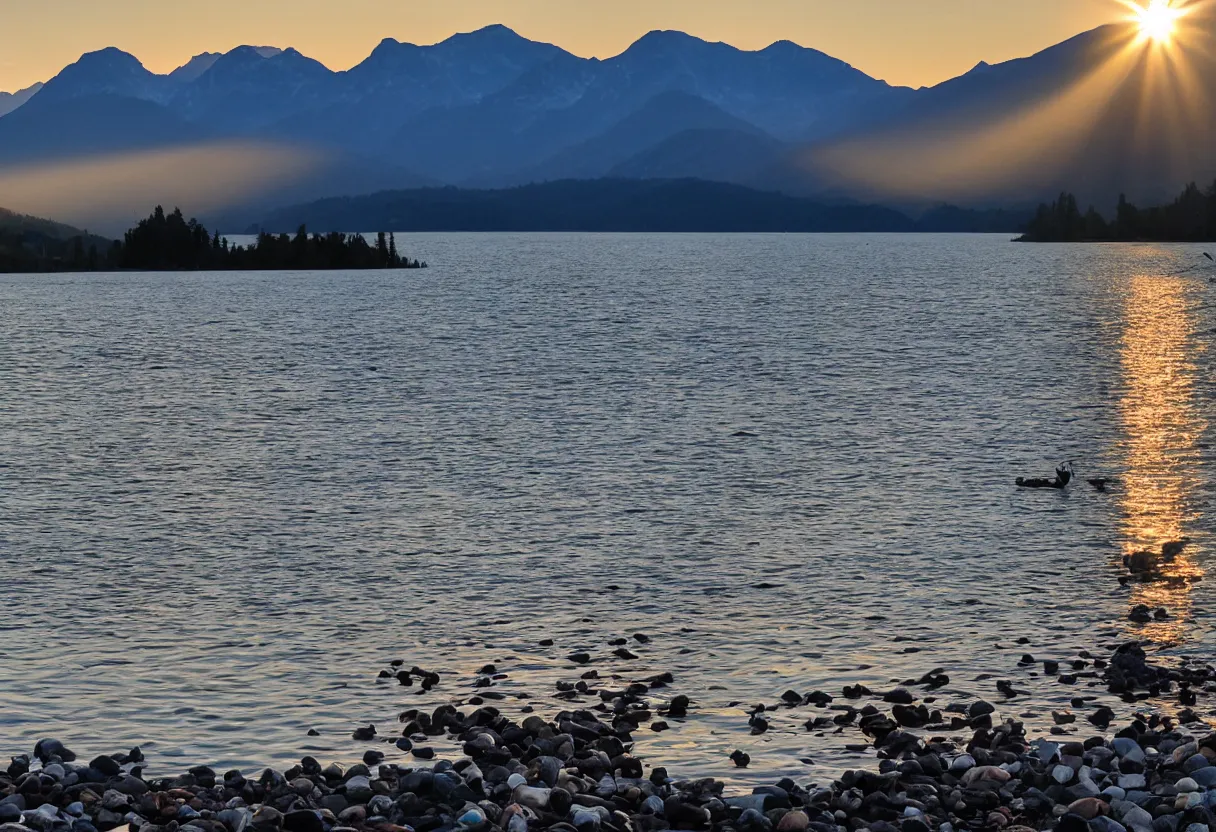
(168, 242)
(1191, 218)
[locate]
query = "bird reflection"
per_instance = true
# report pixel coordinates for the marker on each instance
(1163, 429)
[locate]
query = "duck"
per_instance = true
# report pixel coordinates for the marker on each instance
(1060, 482)
(1173, 548)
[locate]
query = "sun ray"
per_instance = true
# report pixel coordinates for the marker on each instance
(1157, 19)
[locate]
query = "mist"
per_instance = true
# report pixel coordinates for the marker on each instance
(108, 194)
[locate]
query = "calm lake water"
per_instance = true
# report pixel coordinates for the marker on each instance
(227, 500)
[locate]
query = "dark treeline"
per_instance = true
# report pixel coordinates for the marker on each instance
(168, 242)
(1189, 218)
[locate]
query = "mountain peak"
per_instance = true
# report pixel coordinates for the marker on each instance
(106, 71)
(496, 33)
(195, 67)
(657, 37)
(248, 51)
(10, 101)
(111, 57)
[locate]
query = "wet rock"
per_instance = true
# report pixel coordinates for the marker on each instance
(1205, 777)
(1128, 749)
(531, 797)
(990, 773)
(1063, 774)
(962, 763)
(49, 749)
(107, 766)
(471, 816)
(1195, 762)
(795, 821)
(303, 820)
(129, 785)
(1089, 807)
(1072, 823)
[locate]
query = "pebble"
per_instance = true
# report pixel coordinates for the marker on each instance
(962, 763)
(1127, 782)
(1195, 762)
(1088, 807)
(531, 796)
(1128, 749)
(1137, 818)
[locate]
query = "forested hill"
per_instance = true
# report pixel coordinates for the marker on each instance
(169, 242)
(1189, 218)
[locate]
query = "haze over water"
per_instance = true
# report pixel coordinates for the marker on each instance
(228, 500)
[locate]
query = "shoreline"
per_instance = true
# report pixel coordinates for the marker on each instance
(940, 767)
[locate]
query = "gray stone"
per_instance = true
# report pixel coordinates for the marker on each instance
(235, 819)
(532, 797)
(1062, 773)
(1194, 763)
(129, 785)
(1137, 819)
(1132, 781)
(380, 805)
(549, 768)
(963, 762)
(1128, 749)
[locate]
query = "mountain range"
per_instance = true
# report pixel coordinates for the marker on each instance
(493, 109)
(10, 101)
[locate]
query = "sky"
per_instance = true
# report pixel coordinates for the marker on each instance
(909, 42)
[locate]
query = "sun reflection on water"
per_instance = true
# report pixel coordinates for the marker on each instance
(1162, 447)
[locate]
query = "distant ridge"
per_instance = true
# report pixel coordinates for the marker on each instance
(10, 101)
(603, 205)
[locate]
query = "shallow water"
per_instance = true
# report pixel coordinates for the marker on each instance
(227, 500)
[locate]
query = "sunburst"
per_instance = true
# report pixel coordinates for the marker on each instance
(1158, 20)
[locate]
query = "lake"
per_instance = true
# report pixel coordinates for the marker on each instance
(227, 500)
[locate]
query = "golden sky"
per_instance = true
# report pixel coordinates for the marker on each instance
(910, 42)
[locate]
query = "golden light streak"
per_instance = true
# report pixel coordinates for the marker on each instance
(1163, 430)
(108, 193)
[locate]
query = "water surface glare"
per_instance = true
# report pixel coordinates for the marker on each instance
(226, 501)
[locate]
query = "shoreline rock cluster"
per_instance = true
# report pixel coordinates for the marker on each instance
(577, 773)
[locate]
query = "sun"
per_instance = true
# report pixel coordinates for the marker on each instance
(1158, 20)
